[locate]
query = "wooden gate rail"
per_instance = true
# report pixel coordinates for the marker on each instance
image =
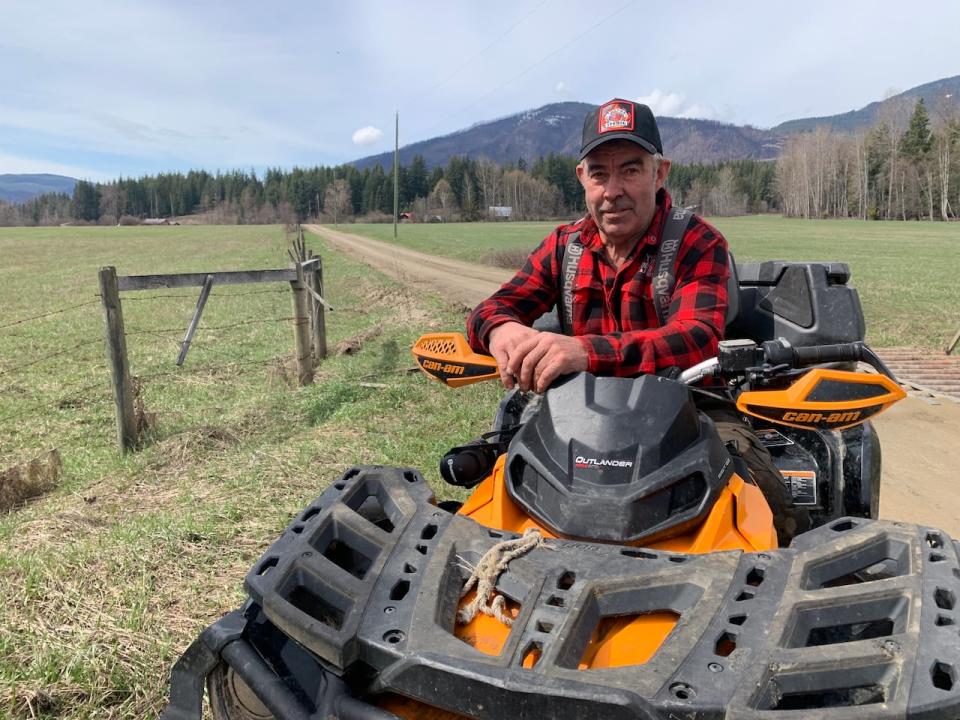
(236, 277)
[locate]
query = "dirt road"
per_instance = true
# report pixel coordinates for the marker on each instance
(920, 480)
(461, 281)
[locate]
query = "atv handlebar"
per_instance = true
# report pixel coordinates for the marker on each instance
(780, 352)
(739, 357)
(448, 358)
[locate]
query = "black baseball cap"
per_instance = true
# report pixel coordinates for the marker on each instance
(620, 120)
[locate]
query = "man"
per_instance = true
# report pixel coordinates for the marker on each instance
(607, 273)
(614, 329)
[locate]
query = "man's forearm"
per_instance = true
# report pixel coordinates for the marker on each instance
(627, 354)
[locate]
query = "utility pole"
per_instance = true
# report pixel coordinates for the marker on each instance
(396, 175)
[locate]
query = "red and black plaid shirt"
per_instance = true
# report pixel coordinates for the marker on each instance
(613, 311)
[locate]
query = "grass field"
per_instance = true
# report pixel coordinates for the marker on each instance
(106, 579)
(906, 273)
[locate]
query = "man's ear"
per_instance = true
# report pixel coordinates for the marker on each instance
(662, 171)
(580, 171)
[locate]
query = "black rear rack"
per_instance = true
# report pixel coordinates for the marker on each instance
(857, 619)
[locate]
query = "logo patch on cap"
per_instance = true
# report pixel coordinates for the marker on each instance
(616, 116)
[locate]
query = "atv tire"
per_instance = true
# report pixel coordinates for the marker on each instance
(231, 698)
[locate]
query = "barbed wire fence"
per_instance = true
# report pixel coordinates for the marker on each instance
(69, 391)
(31, 404)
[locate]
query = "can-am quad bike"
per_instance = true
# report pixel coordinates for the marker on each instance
(615, 559)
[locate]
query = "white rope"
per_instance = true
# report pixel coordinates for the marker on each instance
(485, 574)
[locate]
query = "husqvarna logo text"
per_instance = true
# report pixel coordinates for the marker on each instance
(661, 280)
(575, 250)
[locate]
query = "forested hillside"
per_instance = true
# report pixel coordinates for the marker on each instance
(905, 167)
(20, 188)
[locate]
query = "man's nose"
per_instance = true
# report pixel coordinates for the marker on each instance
(613, 188)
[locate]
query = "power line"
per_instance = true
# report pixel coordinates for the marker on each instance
(488, 47)
(539, 62)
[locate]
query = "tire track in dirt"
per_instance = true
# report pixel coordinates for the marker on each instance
(919, 484)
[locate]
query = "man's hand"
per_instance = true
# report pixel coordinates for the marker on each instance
(503, 341)
(539, 360)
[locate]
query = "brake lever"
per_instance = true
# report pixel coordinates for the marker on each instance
(762, 374)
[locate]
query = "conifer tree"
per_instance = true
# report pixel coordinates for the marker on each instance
(917, 139)
(86, 202)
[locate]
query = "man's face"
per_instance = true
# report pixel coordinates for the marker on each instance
(620, 182)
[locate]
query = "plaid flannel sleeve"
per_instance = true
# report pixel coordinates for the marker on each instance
(695, 320)
(525, 297)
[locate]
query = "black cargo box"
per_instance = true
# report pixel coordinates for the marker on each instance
(807, 303)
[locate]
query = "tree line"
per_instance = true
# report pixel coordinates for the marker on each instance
(465, 189)
(904, 168)
(896, 170)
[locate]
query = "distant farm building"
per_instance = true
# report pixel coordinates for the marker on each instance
(500, 212)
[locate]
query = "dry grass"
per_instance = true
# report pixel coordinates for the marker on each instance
(352, 345)
(511, 259)
(28, 480)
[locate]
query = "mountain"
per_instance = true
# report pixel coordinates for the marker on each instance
(556, 129)
(20, 188)
(942, 97)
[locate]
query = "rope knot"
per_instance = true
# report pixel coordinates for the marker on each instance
(485, 574)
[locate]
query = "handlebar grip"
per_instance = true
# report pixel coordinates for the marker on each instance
(843, 352)
(779, 354)
(467, 465)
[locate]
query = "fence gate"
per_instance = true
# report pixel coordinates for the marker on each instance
(305, 278)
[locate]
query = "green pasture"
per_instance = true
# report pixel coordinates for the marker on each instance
(108, 577)
(906, 273)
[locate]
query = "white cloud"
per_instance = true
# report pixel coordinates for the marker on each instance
(676, 105)
(367, 135)
(560, 88)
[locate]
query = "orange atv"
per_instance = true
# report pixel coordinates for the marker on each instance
(614, 561)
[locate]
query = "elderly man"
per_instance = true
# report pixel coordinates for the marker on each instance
(639, 286)
(614, 328)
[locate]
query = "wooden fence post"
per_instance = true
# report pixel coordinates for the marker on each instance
(117, 357)
(195, 320)
(301, 328)
(319, 318)
(953, 343)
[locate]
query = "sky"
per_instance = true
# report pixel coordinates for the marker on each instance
(98, 89)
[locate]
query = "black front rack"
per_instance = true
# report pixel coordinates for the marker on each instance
(857, 619)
